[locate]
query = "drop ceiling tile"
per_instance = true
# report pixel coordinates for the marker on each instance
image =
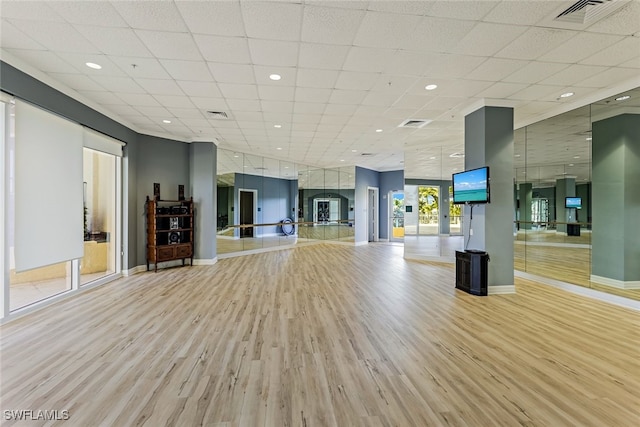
(282, 119)
(572, 75)
(138, 99)
(161, 16)
(368, 59)
(486, 39)
(495, 69)
(232, 73)
(535, 42)
(634, 63)
(210, 104)
(214, 18)
(371, 110)
(312, 95)
(461, 88)
(244, 104)
(44, 60)
(523, 13)
(77, 81)
(346, 109)
(171, 46)
(352, 97)
(272, 52)
(445, 102)
(272, 20)
(96, 13)
(385, 30)
(330, 25)
(35, 10)
(617, 54)
(56, 36)
(397, 84)
(239, 91)
(12, 38)
(118, 84)
(310, 78)
(604, 79)
(174, 101)
(277, 106)
(154, 112)
(322, 56)
(114, 41)
(411, 63)
(187, 70)
(123, 110)
(233, 50)
(581, 46)
(380, 99)
(402, 7)
(412, 101)
(275, 93)
(200, 89)
(102, 97)
(535, 92)
(534, 72)
(349, 80)
(225, 127)
(501, 90)
(148, 68)
(249, 116)
(308, 107)
(438, 35)
(454, 66)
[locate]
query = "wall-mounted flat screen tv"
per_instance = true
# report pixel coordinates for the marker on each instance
(472, 186)
(573, 202)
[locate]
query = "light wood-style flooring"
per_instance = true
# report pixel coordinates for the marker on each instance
(323, 335)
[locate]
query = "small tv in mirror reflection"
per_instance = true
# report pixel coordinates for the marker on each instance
(573, 202)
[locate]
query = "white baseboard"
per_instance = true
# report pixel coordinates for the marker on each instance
(205, 261)
(501, 290)
(361, 243)
(134, 270)
(417, 257)
(619, 284)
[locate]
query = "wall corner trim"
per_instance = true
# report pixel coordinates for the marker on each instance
(618, 284)
(501, 290)
(204, 261)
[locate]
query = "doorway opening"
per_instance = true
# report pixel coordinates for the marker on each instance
(396, 216)
(248, 211)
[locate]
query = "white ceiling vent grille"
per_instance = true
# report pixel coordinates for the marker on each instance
(414, 123)
(366, 154)
(219, 115)
(588, 11)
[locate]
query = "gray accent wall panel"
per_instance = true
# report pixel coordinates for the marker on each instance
(364, 178)
(203, 167)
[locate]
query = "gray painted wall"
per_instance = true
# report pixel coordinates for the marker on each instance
(489, 142)
(524, 202)
(203, 167)
(163, 161)
(616, 176)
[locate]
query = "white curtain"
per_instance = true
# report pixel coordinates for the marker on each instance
(48, 201)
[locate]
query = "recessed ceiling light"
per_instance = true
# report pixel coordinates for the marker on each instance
(431, 87)
(567, 94)
(570, 164)
(354, 151)
(277, 126)
(576, 157)
(517, 155)
(279, 148)
(166, 121)
(236, 156)
(286, 167)
(588, 138)
(342, 160)
(623, 98)
(378, 130)
(275, 77)
(432, 158)
(93, 65)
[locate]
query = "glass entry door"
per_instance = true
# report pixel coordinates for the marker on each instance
(396, 218)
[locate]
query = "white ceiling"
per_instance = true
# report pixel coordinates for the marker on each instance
(348, 69)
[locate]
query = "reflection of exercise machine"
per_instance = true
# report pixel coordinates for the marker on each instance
(287, 227)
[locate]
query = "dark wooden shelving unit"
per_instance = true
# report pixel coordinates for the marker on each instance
(170, 231)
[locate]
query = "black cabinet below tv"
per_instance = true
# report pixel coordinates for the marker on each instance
(472, 271)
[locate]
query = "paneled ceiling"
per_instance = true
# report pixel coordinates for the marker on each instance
(351, 71)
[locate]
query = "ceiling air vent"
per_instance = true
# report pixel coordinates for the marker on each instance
(588, 11)
(366, 154)
(221, 115)
(414, 123)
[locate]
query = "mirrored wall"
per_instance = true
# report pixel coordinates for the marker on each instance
(554, 200)
(265, 203)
